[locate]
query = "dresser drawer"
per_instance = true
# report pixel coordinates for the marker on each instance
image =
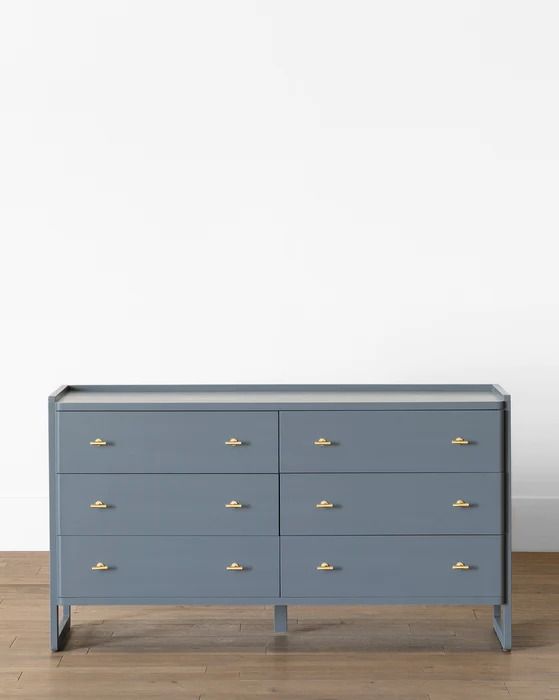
(391, 504)
(168, 441)
(168, 504)
(393, 567)
(408, 441)
(169, 566)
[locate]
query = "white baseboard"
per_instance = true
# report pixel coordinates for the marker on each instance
(24, 524)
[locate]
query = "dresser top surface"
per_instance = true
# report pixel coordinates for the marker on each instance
(280, 397)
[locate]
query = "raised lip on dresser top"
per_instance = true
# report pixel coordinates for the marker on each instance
(219, 397)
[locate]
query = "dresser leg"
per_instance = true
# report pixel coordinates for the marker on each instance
(502, 624)
(59, 627)
(280, 618)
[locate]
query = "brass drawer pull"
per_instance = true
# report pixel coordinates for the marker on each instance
(234, 567)
(100, 567)
(460, 441)
(460, 566)
(324, 504)
(325, 566)
(233, 442)
(233, 504)
(98, 442)
(460, 504)
(98, 504)
(322, 442)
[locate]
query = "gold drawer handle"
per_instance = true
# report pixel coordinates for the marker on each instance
(233, 504)
(460, 504)
(325, 566)
(98, 504)
(100, 567)
(98, 442)
(324, 504)
(234, 567)
(460, 441)
(460, 566)
(233, 442)
(322, 442)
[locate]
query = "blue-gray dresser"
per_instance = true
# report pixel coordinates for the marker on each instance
(365, 494)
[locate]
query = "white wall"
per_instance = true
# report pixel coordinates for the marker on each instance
(278, 191)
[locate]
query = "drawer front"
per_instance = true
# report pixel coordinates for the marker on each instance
(396, 504)
(409, 441)
(173, 441)
(169, 566)
(168, 504)
(391, 566)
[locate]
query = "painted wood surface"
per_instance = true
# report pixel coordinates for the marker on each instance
(397, 504)
(406, 441)
(395, 566)
(171, 441)
(169, 566)
(169, 504)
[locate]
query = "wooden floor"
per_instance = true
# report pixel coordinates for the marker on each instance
(331, 653)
